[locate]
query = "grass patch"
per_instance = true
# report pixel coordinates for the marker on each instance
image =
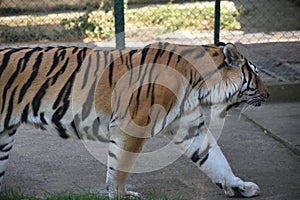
(14, 195)
(99, 25)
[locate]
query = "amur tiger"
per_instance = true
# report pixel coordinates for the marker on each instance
(125, 97)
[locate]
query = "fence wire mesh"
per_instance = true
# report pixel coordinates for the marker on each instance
(267, 31)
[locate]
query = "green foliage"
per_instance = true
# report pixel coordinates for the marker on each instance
(90, 25)
(180, 17)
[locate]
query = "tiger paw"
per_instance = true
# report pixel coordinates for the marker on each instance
(132, 195)
(241, 188)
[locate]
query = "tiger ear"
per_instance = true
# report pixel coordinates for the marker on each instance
(232, 56)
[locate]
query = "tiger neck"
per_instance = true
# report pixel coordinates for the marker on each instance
(224, 92)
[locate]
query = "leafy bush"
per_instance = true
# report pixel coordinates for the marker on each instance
(91, 25)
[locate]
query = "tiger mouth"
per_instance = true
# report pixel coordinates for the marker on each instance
(256, 102)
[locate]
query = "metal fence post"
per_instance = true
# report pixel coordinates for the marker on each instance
(119, 23)
(217, 21)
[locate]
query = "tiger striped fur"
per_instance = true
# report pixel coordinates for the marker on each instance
(125, 97)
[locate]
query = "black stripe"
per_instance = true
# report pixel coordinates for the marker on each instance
(203, 160)
(96, 133)
(61, 131)
(2, 148)
(75, 130)
(87, 70)
(200, 55)
(105, 58)
(191, 77)
(74, 50)
(188, 51)
(2, 174)
(60, 71)
(178, 59)
(35, 70)
(36, 102)
(9, 84)
(97, 62)
(249, 80)
(59, 113)
(87, 106)
(80, 57)
(59, 55)
(220, 185)
(215, 54)
(127, 63)
(127, 108)
(112, 155)
(170, 56)
(42, 118)
(25, 114)
(111, 70)
(154, 123)
(46, 49)
(74, 125)
(27, 56)
(64, 92)
(4, 158)
(164, 122)
(195, 157)
(112, 141)
(130, 57)
(12, 133)
(144, 55)
(9, 109)
(158, 53)
(153, 92)
(164, 48)
(130, 65)
(118, 104)
(6, 59)
(149, 87)
(121, 56)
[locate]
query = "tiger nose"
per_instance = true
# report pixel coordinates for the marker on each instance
(265, 94)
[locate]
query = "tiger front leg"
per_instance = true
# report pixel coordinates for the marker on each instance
(203, 150)
(123, 150)
(218, 169)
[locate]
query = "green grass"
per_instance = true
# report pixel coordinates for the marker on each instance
(99, 25)
(14, 195)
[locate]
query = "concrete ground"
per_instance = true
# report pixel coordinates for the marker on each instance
(261, 146)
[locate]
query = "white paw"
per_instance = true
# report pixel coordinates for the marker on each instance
(132, 195)
(241, 188)
(250, 189)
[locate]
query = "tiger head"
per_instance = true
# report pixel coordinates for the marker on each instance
(251, 89)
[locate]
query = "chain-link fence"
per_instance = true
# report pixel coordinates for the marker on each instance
(268, 31)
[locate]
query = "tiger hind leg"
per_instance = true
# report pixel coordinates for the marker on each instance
(6, 144)
(123, 150)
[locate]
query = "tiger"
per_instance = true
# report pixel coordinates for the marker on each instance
(125, 97)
